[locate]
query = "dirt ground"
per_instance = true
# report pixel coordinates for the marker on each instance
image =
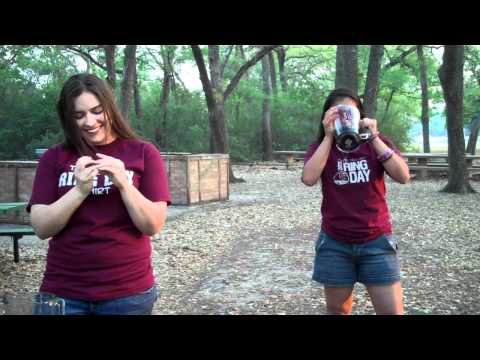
(254, 253)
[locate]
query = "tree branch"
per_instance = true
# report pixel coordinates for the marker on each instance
(202, 69)
(307, 56)
(179, 79)
(400, 58)
(14, 54)
(154, 57)
(222, 67)
(90, 57)
(257, 57)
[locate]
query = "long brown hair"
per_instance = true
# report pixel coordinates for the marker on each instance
(72, 89)
(337, 94)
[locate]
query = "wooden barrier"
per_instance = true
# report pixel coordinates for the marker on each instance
(423, 163)
(197, 178)
(193, 178)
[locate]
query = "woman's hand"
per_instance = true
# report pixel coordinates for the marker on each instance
(329, 121)
(115, 169)
(370, 124)
(85, 171)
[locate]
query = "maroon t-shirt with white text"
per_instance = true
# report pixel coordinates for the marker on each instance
(354, 208)
(100, 254)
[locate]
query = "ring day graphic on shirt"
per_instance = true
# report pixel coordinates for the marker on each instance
(67, 178)
(351, 172)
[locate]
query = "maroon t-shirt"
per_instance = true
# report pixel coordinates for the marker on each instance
(100, 254)
(354, 208)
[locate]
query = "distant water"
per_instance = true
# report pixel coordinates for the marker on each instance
(441, 141)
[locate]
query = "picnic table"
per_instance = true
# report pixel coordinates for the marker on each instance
(425, 162)
(15, 232)
(290, 155)
(420, 162)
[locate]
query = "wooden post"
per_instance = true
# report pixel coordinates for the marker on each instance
(422, 173)
(290, 160)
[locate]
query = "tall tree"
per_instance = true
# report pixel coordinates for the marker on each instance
(168, 54)
(281, 56)
(450, 74)
(216, 96)
(387, 106)
(128, 82)
(166, 63)
(273, 72)
(424, 86)
(266, 113)
(241, 54)
(373, 79)
(108, 65)
(110, 62)
(474, 127)
(472, 95)
(138, 102)
(346, 74)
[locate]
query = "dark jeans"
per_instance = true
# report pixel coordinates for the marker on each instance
(138, 304)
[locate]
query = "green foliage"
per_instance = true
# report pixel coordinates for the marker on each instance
(296, 120)
(187, 120)
(472, 83)
(31, 78)
(244, 118)
(187, 129)
(395, 124)
(471, 102)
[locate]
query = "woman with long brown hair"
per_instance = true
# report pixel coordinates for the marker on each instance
(98, 197)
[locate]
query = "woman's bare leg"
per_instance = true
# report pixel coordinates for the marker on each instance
(339, 300)
(386, 299)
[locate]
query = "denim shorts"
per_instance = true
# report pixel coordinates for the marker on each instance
(340, 264)
(137, 304)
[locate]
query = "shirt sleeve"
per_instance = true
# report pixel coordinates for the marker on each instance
(45, 184)
(154, 181)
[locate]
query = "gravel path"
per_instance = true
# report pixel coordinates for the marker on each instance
(254, 253)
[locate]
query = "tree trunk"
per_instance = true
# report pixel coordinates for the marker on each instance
(138, 103)
(266, 113)
(237, 112)
(424, 87)
(372, 82)
(110, 62)
(451, 80)
(281, 55)
(346, 75)
(219, 139)
(128, 80)
(472, 140)
(216, 97)
(168, 85)
(162, 127)
(387, 107)
(87, 61)
(273, 72)
(241, 54)
(219, 135)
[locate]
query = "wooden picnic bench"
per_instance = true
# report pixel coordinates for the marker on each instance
(290, 156)
(15, 232)
(423, 163)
